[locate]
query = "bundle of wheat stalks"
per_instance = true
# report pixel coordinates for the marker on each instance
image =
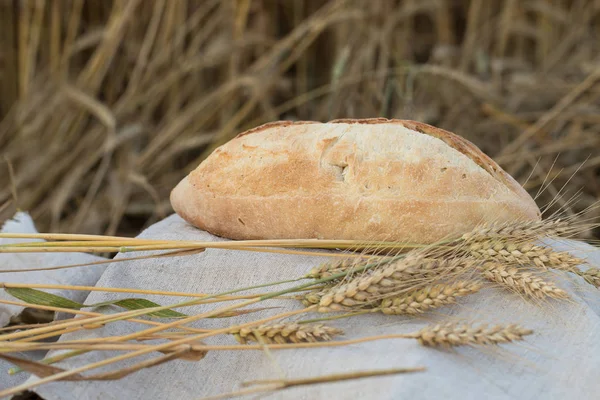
(413, 282)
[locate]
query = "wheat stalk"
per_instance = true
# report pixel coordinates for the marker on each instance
(285, 333)
(431, 297)
(523, 282)
(272, 385)
(462, 334)
(78, 243)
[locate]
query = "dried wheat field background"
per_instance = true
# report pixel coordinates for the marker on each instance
(106, 105)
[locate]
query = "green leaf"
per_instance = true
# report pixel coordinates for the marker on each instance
(235, 313)
(39, 297)
(140, 304)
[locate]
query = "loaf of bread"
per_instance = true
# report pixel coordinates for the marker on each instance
(370, 179)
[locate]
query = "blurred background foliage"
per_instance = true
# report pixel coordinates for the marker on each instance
(106, 105)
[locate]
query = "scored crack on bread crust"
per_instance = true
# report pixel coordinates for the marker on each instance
(369, 179)
(455, 141)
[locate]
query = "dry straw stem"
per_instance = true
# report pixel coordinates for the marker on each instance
(336, 377)
(160, 347)
(107, 318)
(461, 334)
(176, 253)
(279, 384)
(127, 315)
(126, 290)
(83, 325)
(43, 371)
(430, 297)
(104, 319)
(86, 313)
(108, 261)
(286, 333)
(73, 325)
(189, 247)
(523, 282)
(20, 327)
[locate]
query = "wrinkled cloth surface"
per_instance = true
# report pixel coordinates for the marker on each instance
(87, 276)
(561, 360)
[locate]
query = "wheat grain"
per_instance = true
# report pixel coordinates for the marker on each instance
(313, 297)
(286, 333)
(462, 334)
(428, 298)
(523, 282)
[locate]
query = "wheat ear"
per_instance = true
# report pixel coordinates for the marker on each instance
(523, 254)
(522, 282)
(285, 333)
(591, 276)
(428, 298)
(462, 334)
(405, 274)
(523, 230)
(327, 269)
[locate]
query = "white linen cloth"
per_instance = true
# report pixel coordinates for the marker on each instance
(561, 360)
(85, 276)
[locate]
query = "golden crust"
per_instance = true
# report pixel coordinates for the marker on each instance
(332, 181)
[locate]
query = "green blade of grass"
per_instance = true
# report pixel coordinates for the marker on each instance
(42, 298)
(39, 297)
(139, 304)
